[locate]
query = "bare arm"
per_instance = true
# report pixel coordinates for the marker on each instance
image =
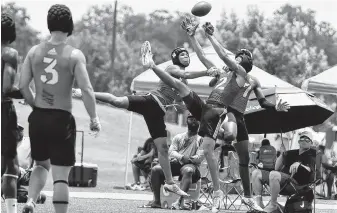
(82, 79)
(8, 79)
(26, 78)
(222, 53)
(200, 53)
(104, 97)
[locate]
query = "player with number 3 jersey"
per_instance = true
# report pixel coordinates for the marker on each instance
(54, 65)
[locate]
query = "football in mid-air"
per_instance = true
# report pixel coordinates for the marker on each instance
(201, 8)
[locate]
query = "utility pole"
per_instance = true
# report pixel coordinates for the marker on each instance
(114, 32)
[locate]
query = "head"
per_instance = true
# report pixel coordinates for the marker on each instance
(180, 57)
(192, 123)
(305, 140)
(265, 142)
(245, 58)
(60, 19)
(8, 33)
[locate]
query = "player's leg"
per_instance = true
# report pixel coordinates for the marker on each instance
(38, 133)
(62, 158)
(228, 131)
(241, 147)
(211, 120)
(9, 155)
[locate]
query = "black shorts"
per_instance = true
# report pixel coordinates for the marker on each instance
(210, 116)
(177, 169)
(52, 135)
(242, 134)
(9, 130)
(153, 114)
(286, 187)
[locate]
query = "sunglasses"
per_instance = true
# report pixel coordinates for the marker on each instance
(304, 139)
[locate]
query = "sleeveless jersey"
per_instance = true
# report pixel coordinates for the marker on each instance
(53, 73)
(224, 91)
(241, 99)
(9, 56)
(165, 94)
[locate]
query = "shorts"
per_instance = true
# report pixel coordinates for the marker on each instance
(153, 114)
(9, 130)
(285, 186)
(177, 169)
(52, 135)
(242, 134)
(210, 116)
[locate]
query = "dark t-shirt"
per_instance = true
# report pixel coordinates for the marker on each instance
(307, 158)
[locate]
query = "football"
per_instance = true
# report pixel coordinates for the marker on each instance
(201, 9)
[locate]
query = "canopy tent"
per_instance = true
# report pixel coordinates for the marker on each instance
(325, 82)
(148, 80)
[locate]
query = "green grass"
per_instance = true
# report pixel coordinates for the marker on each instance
(109, 149)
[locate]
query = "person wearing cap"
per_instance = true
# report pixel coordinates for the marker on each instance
(298, 164)
(185, 158)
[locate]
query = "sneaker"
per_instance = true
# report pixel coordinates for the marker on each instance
(217, 198)
(251, 202)
(146, 52)
(174, 188)
(176, 205)
(29, 206)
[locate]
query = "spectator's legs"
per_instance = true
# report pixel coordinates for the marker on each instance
(157, 179)
(257, 186)
(274, 183)
(136, 173)
(186, 181)
(329, 183)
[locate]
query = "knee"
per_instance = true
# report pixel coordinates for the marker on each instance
(156, 170)
(187, 172)
(274, 176)
(256, 175)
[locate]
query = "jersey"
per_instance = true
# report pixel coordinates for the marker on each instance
(8, 56)
(53, 72)
(166, 94)
(241, 99)
(224, 91)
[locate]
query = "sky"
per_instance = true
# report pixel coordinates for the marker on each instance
(37, 9)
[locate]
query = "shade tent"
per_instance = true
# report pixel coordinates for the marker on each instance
(324, 83)
(148, 80)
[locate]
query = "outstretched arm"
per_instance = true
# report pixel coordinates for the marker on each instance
(200, 53)
(281, 106)
(222, 53)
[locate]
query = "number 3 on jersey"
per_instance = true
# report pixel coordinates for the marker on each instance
(50, 69)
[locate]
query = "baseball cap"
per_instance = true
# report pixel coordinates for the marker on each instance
(306, 134)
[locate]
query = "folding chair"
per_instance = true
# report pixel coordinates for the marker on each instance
(206, 189)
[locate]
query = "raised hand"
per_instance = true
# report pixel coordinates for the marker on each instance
(189, 25)
(208, 28)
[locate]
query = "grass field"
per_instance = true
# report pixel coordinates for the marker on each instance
(109, 149)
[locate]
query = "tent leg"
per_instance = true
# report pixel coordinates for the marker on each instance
(128, 151)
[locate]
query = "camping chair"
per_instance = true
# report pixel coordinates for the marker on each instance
(230, 184)
(206, 189)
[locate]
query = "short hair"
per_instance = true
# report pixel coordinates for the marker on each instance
(265, 142)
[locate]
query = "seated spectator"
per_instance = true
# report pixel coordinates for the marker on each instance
(298, 164)
(141, 163)
(266, 156)
(185, 158)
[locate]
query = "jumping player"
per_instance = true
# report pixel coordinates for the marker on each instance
(238, 107)
(153, 107)
(52, 130)
(9, 127)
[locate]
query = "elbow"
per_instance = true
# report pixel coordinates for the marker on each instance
(87, 89)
